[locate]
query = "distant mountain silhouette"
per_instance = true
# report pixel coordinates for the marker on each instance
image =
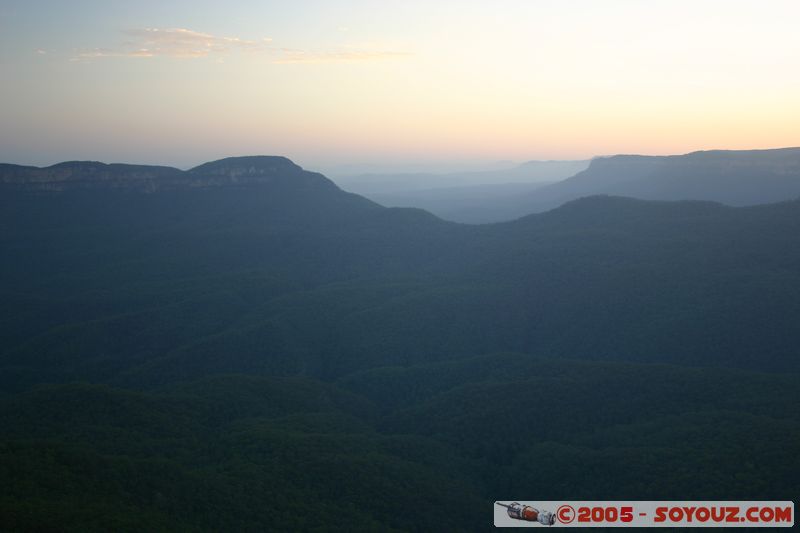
(526, 173)
(87, 174)
(475, 197)
(473, 204)
(731, 177)
(232, 171)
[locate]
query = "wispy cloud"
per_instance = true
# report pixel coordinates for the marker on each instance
(187, 44)
(174, 42)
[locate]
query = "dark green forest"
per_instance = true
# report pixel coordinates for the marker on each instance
(278, 354)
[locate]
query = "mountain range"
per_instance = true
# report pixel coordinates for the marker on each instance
(220, 348)
(731, 177)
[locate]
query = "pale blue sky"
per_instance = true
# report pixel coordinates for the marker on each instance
(394, 83)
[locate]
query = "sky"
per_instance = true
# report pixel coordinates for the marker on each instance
(394, 84)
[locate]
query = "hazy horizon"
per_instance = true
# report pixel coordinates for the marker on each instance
(358, 170)
(440, 87)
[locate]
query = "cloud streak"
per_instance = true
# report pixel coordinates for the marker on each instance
(175, 42)
(182, 43)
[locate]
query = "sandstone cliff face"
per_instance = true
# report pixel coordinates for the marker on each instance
(85, 175)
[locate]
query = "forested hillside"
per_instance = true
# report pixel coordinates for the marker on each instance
(244, 346)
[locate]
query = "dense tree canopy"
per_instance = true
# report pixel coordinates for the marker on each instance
(285, 355)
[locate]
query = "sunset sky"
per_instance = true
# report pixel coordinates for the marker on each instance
(394, 83)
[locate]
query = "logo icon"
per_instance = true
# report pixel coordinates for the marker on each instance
(527, 513)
